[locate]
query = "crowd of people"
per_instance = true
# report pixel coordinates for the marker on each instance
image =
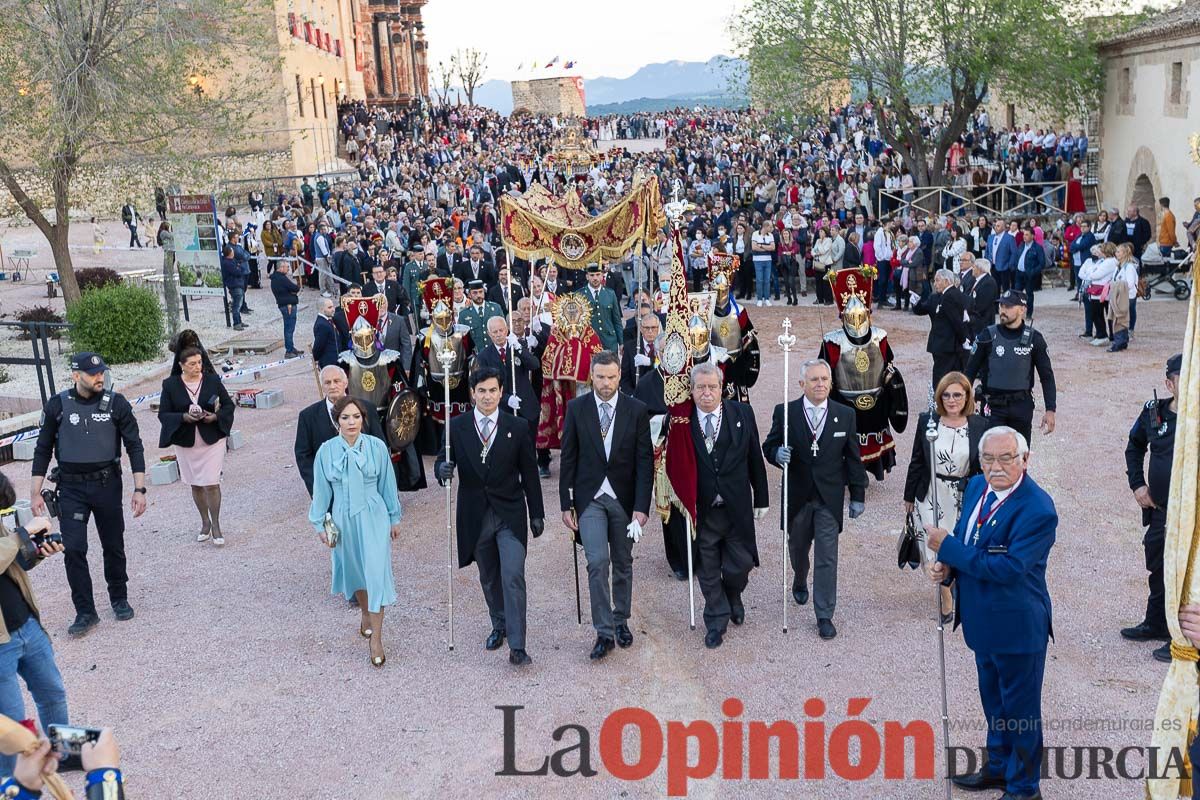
(418, 294)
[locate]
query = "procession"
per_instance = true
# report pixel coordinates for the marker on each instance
(822, 442)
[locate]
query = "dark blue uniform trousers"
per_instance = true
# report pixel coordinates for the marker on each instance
(77, 502)
(1010, 687)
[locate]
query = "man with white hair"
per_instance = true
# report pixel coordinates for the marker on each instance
(948, 329)
(315, 425)
(984, 294)
(997, 555)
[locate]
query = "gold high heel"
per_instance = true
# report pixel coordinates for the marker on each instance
(366, 633)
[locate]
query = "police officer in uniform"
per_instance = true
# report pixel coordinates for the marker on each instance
(84, 426)
(1004, 359)
(1154, 430)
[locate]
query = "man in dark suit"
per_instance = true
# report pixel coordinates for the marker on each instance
(1002, 254)
(347, 263)
(1030, 261)
(728, 461)
(315, 425)
(822, 449)
(997, 555)
(395, 336)
(326, 338)
(501, 353)
(966, 273)
(498, 485)
(604, 491)
(353, 291)
(606, 310)
(498, 293)
(637, 358)
(948, 328)
(380, 284)
(474, 268)
(984, 295)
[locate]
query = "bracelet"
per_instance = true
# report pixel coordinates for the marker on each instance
(11, 789)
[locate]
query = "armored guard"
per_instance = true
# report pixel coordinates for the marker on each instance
(864, 376)
(732, 331)
(427, 371)
(376, 376)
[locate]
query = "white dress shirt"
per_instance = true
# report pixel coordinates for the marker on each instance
(495, 419)
(817, 412)
(606, 487)
(1000, 495)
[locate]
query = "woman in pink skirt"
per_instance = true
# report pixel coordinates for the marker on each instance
(196, 414)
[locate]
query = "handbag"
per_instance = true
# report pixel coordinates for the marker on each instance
(908, 547)
(1096, 290)
(332, 534)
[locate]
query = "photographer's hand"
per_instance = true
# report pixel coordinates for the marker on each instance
(37, 525)
(49, 549)
(101, 754)
(31, 769)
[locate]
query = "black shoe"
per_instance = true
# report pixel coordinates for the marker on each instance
(737, 613)
(800, 596)
(1144, 633)
(681, 574)
(624, 637)
(82, 624)
(494, 641)
(292, 354)
(239, 327)
(247, 311)
(978, 781)
(825, 629)
(712, 639)
(543, 472)
(123, 610)
(519, 658)
(1163, 653)
(1015, 796)
(601, 648)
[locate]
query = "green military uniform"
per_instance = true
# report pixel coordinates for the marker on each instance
(606, 316)
(476, 318)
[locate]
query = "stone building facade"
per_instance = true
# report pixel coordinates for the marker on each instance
(561, 96)
(1147, 115)
(391, 50)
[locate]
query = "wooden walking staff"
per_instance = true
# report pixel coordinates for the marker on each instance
(931, 435)
(786, 340)
(446, 357)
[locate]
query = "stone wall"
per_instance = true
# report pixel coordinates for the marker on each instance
(562, 96)
(101, 189)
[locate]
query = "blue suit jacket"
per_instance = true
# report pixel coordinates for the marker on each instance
(1003, 604)
(1006, 252)
(325, 342)
(1035, 259)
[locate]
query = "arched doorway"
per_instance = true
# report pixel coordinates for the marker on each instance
(1143, 197)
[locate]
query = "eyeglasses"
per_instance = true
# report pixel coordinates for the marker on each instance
(1005, 460)
(953, 395)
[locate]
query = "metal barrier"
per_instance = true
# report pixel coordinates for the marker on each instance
(991, 199)
(39, 337)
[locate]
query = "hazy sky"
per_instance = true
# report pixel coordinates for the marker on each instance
(607, 38)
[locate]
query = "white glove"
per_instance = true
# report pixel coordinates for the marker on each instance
(535, 324)
(531, 340)
(914, 297)
(514, 402)
(759, 513)
(634, 531)
(514, 342)
(641, 360)
(966, 345)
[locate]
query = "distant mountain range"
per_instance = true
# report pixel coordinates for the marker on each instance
(654, 87)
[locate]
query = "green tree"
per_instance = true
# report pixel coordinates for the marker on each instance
(899, 52)
(100, 80)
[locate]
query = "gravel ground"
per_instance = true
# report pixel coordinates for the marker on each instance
(239, 662)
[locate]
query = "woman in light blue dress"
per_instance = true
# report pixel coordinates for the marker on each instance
(353, 472)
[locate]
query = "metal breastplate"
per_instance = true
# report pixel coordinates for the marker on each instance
(369, 383)
(858, 374)
(727, 333)
(86, 435)
(458, 369)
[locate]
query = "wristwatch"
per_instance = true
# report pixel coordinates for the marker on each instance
(140, 490)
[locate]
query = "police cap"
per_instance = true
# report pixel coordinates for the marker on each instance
(1012, 297)
(91, 363)
(1174, 364)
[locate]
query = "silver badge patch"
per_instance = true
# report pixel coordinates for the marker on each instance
(1000, 350)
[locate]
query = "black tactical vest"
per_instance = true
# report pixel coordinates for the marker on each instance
(86, 433)
(1010, 363)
